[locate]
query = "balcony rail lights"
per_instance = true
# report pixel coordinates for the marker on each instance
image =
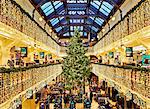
(14, 16)
(127, 79)
(17, 80)
(136, 19)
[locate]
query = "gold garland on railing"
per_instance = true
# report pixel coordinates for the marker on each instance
(134, 21)
(15, 17)
(136, 80)
(13, 83)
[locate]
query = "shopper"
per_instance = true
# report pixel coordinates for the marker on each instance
(10, 63)
(65, 100)
(47, 103)
(87, 103)
(91, 96)
(42, 106)
(72, 104)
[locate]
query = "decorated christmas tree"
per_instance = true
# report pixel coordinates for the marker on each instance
(76, 67)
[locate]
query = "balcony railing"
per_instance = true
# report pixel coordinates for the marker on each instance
(14, 16)
(136, 19)
(129, 79)
(15, 81)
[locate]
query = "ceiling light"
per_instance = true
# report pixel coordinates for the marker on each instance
(98, 36)
(55, 36)
(40, 19)
(92, 39)
(103, 30)
(113, 18)
(50, 30)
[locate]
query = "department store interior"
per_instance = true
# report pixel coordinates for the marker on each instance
(74, 54)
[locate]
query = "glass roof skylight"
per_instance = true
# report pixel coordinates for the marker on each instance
(93, 28)
(58, 29)
(57, 4)
(54, 21)
(77, 17)
(99, 21)
(95, 5)
(72, 33)
(66, 34)
(47, 8)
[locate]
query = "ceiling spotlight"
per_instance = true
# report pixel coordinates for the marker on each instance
(40, 19)
(92, 39)
(55, 36)
(98, 36)
(103, 30)
(50, 30)
(113, 18)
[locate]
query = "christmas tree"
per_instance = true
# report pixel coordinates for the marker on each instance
(76, 67)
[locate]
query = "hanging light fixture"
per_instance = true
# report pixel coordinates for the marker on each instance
(113, 18)
(103, 30)
(40, 19)
(50, 30)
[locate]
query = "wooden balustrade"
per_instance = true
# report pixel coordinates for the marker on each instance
(14, 16)
(134, 79)
(12, 83)
(136, 19)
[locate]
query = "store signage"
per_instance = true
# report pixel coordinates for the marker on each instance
(23, 51)
(111, 54)
(129, 52)
(146, 60)
(41, 55)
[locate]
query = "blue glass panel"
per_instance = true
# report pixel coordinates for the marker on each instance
(98, 2)
(93, 28)
(66, 34)
(71, 28)
(103, 11)
(105, 8)
(99, 21)
(95, 5)
(81, 33)
(60, 18)
(58, 4)
(108, 5)
(85, 33)
(45, 5)
(58, 29)
(81, 28)
(92, 18)
(72, 33)
(54, 21)
(82, 20)
(47, 9)
(70, 20)
(49, 12)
